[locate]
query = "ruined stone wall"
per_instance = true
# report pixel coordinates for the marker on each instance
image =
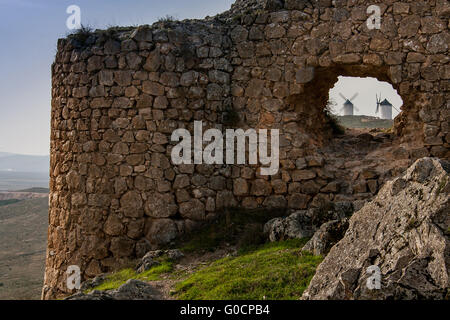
(119, 94)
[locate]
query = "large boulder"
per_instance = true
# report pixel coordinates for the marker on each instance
(304, 223)
(146, 263)
(150, 259)
(131, 290)
(326, 237)
(136, 290)
(402, 235)
(296, 226)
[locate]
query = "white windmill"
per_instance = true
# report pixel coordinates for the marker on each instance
(349, 107)
(384, 108)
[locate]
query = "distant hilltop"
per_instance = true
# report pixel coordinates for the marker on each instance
(364, 122)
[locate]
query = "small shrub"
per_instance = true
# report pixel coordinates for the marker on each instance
(167, 18)
(331, 119)
(334, 124)
(82, 34)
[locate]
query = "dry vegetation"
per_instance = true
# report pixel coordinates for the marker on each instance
(23, 233)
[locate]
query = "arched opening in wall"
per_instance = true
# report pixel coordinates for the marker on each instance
(364, 104)
(357, 161)
(317, 117)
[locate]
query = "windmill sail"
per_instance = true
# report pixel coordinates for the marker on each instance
(378, 104)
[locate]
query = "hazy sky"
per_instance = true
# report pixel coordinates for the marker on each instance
(29, 30)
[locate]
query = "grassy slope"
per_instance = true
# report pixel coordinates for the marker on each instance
(23, 238)
(259, 270)
(275, 271)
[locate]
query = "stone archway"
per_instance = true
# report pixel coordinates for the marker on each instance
(311, 103)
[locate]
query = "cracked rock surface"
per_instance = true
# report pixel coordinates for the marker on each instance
(404, 231)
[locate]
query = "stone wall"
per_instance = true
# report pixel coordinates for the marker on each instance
(119, 94)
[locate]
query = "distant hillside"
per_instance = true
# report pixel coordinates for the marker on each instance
(23, 238)
(5, 154)
(19, 195)
(23, 163)
(366, 122)
(35, 190)
(13, 181)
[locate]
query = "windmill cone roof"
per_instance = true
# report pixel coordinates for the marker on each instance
(386, 103)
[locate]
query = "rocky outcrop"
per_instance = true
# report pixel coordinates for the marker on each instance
(404, 232)
(150, 258)
(131, 290)
(305, 223)
(92, 283)
(326, 237)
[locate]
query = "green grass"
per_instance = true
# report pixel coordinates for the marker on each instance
(275, 271)
(115, 280)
